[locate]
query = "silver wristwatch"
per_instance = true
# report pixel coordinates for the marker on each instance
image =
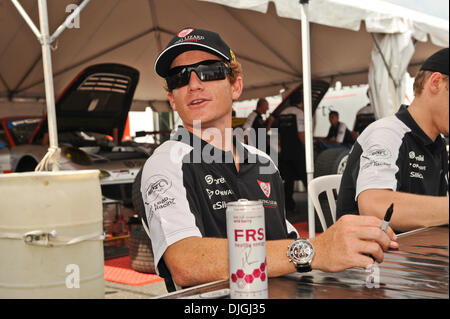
(301, 253)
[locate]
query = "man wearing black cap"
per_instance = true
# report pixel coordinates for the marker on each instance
(402, 159)
(188, 180)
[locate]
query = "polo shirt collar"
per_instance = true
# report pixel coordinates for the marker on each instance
(404, 116)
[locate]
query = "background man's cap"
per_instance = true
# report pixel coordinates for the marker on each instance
(192, 39)
(438, 62)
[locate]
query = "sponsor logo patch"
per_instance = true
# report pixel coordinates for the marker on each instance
(190, 38)
(233, 57)
(219, 192)
(220, 205)
(157, 186)
(210, 193)
(416, 175)
(374, 164)
(268, 203)
(419, 158)
(378, 152)
(211, 180)
(184, 32)
(265, 187)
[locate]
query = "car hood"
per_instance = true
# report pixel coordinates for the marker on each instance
(318, 90)
(97, 100)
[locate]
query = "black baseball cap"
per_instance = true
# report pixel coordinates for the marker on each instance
(192, 39)
(438, 62)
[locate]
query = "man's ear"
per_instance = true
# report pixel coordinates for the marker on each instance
(171, 100)
(434, 82)
(236, 88)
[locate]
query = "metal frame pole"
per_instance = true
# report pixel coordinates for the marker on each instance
(27, 18)
(307, 107)
(48, 76)
(46, 40)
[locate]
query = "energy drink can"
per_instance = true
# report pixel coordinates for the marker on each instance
(247, 249)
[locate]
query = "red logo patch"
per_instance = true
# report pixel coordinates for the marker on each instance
(184, 32)
(265, 187)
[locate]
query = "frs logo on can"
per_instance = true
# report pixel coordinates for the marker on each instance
(249, 234)
(184, 33)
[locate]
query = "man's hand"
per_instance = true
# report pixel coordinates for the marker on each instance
(346, 244)
(350, 242)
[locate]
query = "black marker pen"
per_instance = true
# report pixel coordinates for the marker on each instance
(385, 222)
(387, 218)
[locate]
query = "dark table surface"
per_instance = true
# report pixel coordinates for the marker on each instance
(418, 269)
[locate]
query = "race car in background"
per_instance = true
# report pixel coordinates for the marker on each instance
(91, 115)
(14, 131)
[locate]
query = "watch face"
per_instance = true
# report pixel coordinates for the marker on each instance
(301, 252)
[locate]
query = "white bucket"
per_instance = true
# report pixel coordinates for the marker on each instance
(68, 206)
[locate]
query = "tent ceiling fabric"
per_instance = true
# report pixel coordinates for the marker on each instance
(265, 36)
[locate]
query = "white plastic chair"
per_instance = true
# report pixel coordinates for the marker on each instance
(324, 184)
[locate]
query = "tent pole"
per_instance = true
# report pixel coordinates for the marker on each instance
(48, 78)
(27, 18)
(46, 40)
(307, 108)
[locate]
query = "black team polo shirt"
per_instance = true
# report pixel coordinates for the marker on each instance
(186, 184)
(394, 153)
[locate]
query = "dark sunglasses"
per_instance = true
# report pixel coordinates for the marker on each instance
(210, 70)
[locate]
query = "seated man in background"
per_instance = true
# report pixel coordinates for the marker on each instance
(338, 134)
(402, 159)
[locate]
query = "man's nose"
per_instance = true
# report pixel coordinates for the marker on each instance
(194, 82)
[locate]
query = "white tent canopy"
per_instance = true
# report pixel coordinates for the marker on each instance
(133, 32)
